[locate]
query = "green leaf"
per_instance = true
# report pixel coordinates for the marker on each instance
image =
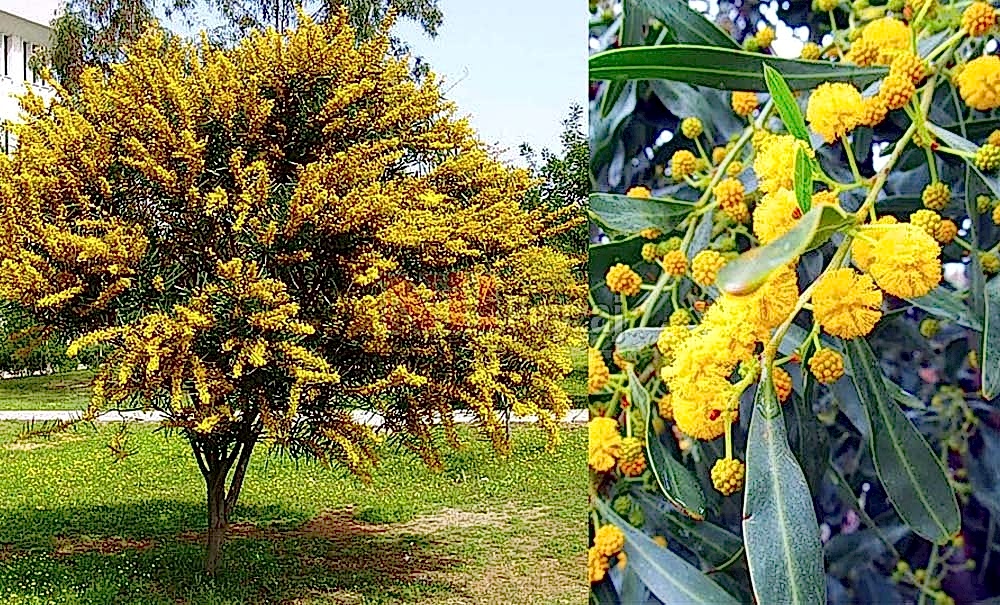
(723, 68)
(688, 25)
(962, 144)
(714, 545)
(780, 530)
(785, 103)
(669, 577)
(912, 474)
(943, 304)
(991, 340)
(636, 343)
(676, 482)
(625, 214)
(803, 180)
(748, 272)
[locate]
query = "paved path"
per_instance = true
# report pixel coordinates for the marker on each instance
(574, 416)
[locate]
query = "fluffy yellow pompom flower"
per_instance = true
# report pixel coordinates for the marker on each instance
(896, 91)
(771, 304)
(604, 446)
(765, 36)
(729, 193)
(775, 161)
(621, 279)
(598, 374)
(825, 198)
(705, 267)
(827, 365)
(946, 231)
(597, 565)
(990, 262)
(928, 220)
(698, 406)
(846, 303)
(862, 53)
(632, 462)
(728, 475)
(936, 196)
(908, 65)
(979, 18)
(874, 111)
(827, 5)
(889, 35)
(996, 215)
(675, 263)
(834, 109)
(665, 407)
(692, 127)
(776, 213)
(979, 83)
(906, 262)
(679, 317)
(987, 157)
(744, 103)
(639, 192)
(682, 164)
(863, 250)
(810, 51)
(670, 338)
(609, 540)
(782, 384)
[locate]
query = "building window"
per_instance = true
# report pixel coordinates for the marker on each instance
(6, 55)
(36, 75)
(25, 55)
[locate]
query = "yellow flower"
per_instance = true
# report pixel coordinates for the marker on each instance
(775, 161)
(675, 263)
(889, 35)
(598, 374)
(609, 540)
(682, 164)
(994, 138)
(729, 193)
(810, 51)
(621, 279)
(679, 317)
(862, 250)
(979, 83)
(782, 384)
(691, 127)
(632, 461)
(936, 196)
(990, 262)
(705, 267)
(698, 406)
(846, 303)
(946, 231)
(827, 365)
(906, 262)
(825, 198)
(744, 103)
(604, 444)
(639, 192)
(771, 304)
(665, 407)
(928, 220)
(874, 111)
(776, 213)
(834, 109)
(207, 424)
(862, 53)
(827, 5)
(765, 36)
(979, 19)
(670, 339)
(896, 91)
(728, 475)
(908, 65)
(597, 565)
(719, 154)
(988, 157)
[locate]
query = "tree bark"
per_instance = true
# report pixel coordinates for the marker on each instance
(218, 520)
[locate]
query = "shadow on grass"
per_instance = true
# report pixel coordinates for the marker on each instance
(117, 555)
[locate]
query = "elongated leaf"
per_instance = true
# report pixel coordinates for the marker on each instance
(633, 589)
(669, 577)
(603, 593)
(991, 340)
(636, 343)
(913, 476)
(803, 180)
(625, 214)
(786, 104)
(943, 304)
(688, 25)
(676, 482)
(807, 437)
(726, 69)
(714, 545)
(780, 530)
(746, 273)
(961, 143)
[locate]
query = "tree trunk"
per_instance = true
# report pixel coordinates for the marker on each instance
(218, 520)
(222, 499)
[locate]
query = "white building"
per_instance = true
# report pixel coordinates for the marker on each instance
(23, 31)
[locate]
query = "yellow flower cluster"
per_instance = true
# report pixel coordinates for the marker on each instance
(834, 110)
(621, 279)
(979, 83)
(827, 365)
(605, 444)
(728, 475)
(632, 461)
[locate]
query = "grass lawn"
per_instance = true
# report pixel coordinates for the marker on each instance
(77, 528)
(68, 391)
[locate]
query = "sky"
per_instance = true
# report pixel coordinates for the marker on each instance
(39, 11)
(514, 67)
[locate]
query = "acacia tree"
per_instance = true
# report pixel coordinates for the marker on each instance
(268, 239)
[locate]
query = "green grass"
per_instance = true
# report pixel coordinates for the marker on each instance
(68, 391)
(77, 528)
